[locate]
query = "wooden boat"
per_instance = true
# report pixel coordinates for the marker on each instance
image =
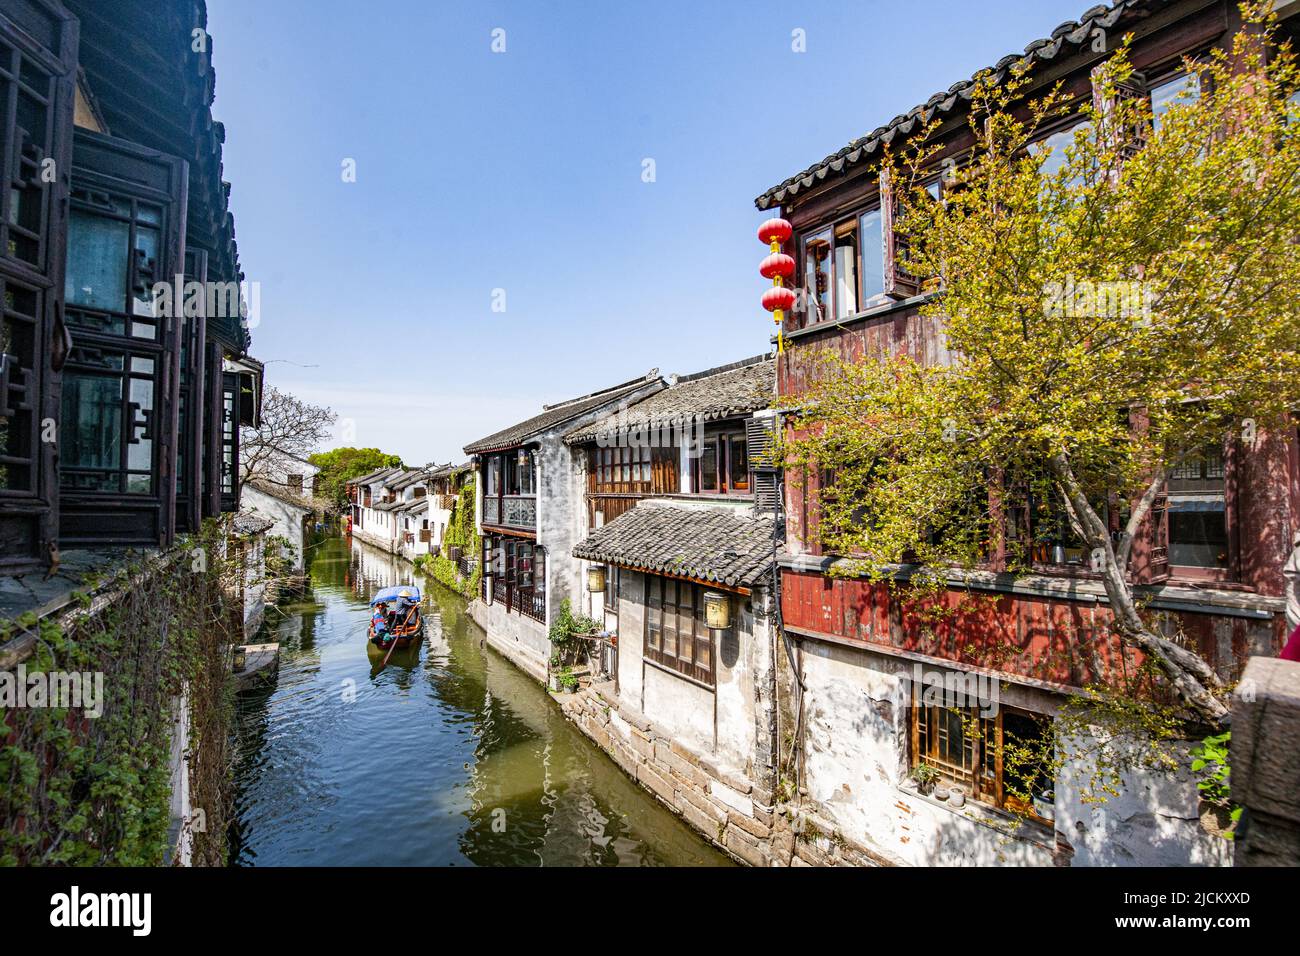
(403, 635)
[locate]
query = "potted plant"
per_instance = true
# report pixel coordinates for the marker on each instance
(925, 775)
(568, 681)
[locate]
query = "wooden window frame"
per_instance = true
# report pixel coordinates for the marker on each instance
(655, 637)
(722, 438)
(831, 232)
(984, 778)
(106, 173)
(44, 45)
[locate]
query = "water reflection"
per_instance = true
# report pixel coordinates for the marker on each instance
(449, 755)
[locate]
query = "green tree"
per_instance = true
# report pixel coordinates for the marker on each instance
(1078, 403)
(340, 464)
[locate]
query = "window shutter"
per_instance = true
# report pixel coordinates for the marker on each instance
(1131, 137)
(760, 439)
(899, 283)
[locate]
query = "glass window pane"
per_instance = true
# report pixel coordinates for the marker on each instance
(846, 273)
(709, 466)
(738, 463)
(97, 261)
(817, 276)
(1181, 89)
(873, 254)
(92, 421)
(146, 264)
(139, 454)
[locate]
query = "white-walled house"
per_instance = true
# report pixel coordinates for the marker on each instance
(284, 491)
(528, 501)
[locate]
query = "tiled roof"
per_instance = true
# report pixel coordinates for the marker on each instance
(729, 545)
(250, 522)
(555, 415)
(283, 493)
(373, 476)
(406, 479)
(736, 389)
(1065, 40)
(449, 471)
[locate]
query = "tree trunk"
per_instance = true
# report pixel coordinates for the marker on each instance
(1192, 679)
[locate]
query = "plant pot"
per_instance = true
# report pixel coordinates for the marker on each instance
(1045, 805)
(941, 792)
(956, 797)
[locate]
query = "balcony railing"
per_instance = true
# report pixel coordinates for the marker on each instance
(511, 511)
(527, 601)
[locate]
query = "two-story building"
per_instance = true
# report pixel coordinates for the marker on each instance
(528, 502)
(1213, 558)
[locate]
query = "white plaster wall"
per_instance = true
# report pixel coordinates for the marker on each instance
(520, 638)
(680, 707)
(288, 519)
(1155, 820)
(686, 709)
(856, 773)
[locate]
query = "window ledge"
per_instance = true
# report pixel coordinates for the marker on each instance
(1018, 828)
(886, 308)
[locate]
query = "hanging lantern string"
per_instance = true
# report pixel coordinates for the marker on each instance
(777, 267)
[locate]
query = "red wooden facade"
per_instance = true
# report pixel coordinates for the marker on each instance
(1056, 639)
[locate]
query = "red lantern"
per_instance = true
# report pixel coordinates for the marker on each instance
(778, 298)
(777, 267)
(775, 230)
(777, 264)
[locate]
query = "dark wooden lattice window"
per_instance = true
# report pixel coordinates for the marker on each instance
(229, 461)
(38, 58)
(118, 441)
(676, 634)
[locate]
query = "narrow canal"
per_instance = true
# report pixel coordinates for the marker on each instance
(449, 756)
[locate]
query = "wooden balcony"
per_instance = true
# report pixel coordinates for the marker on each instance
(511, 511)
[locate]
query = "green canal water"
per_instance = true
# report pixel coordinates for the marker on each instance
(448, 756)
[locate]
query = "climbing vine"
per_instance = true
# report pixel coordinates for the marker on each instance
(81, 789)
(462, 534)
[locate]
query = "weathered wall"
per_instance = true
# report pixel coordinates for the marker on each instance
(856, 775)
(288, 519)
(1266, 763)
(521, 639)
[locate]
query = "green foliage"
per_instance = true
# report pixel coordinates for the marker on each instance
(925, 775)
(1210, 760)
(460, 533)
(79, 790)
(1075, 403)
(279, 556)
(566, 630)
(339, 464)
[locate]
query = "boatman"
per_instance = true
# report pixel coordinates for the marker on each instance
(408, 613)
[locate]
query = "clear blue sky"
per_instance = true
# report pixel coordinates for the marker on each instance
(522, 171)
